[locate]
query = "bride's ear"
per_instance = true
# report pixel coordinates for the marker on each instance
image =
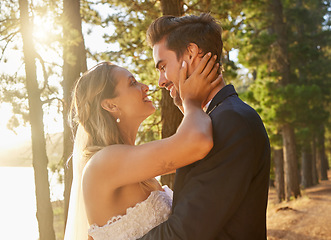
(109, 106)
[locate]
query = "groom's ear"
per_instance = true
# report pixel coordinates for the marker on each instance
(192, 56)
(193, 52)
(109, 106)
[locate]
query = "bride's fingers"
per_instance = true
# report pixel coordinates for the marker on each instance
(213, 72)
(217, 81)
(202, 63)
(210, 65)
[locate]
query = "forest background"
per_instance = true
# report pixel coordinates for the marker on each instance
(276, 53)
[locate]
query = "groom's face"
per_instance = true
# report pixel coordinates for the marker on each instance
(168, 65)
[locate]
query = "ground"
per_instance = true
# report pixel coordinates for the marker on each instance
(306, 218)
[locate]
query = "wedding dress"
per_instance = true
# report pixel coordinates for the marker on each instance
(138, 220)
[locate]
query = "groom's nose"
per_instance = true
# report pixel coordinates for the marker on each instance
(162, 81)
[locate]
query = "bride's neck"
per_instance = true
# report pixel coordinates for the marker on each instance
(129, 132)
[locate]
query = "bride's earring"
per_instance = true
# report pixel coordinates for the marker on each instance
(118, 120)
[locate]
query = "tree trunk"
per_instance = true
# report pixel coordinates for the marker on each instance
(279, 174)
(290, 163)
(282, 66)
(172, 7)
(320, 154)
(307, 162)
(170, 114)
(205, 6)
(314, 163)
(74, 63)
(39, 155)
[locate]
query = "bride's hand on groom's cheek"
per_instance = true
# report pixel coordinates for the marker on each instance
(201, 82)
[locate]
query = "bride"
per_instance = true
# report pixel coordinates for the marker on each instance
(114, 192)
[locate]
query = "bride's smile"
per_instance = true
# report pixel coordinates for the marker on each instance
(131, 99)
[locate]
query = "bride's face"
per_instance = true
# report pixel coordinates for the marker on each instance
(132, 100)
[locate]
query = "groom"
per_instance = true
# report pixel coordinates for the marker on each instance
(224, 195)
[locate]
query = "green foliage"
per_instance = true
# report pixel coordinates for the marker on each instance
(46, 37)
(13, 91)
(303, 102)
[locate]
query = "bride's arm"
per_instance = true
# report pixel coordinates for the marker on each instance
(173, 171)
(119, 165)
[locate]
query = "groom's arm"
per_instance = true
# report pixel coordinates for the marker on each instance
(217, 185)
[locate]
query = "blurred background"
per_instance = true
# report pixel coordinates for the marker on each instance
(276, 53)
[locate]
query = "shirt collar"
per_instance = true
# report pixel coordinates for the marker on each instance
(206, 106)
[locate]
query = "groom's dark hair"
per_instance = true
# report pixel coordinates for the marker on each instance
(179, 32)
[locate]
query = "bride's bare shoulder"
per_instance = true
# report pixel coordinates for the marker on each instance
(106, 160)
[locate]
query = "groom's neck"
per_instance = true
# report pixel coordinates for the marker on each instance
(214, 92)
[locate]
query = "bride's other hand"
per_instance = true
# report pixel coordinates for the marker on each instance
(201, 82)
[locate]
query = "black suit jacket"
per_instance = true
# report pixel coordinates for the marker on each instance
(223, 196)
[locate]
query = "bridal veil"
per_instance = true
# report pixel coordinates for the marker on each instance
(77, 223)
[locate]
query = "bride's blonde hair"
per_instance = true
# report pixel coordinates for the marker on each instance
(101, 128)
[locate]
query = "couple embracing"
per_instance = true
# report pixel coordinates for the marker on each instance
(220, 151)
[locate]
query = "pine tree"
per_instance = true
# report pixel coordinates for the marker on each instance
(40, 159)
(283, 47)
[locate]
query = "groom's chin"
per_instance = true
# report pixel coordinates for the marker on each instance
(177, 100)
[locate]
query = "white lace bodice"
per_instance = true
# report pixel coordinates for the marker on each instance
(138, 220)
